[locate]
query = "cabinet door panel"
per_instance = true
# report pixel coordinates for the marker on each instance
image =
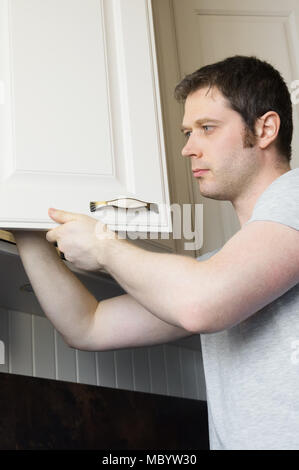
(81, 118)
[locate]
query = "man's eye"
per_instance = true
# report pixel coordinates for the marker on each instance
(187, 134)
(207, 128)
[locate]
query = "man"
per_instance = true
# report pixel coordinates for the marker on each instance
(242, 298)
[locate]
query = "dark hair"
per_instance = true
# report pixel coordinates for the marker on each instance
(252, 87)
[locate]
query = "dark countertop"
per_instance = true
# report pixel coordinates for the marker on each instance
(38, 413)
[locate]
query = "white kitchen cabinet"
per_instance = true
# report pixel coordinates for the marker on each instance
(80, 117)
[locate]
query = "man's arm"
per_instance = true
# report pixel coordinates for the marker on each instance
(256, 266)
(84, 322)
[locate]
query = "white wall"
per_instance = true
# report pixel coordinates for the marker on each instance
(33, 347)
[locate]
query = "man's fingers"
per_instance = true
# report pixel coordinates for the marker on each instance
(51, 236)
(61, 216)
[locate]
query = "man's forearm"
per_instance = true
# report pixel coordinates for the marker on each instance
(64, 299)
(163, 283)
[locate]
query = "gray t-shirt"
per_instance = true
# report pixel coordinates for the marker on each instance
(252, 369)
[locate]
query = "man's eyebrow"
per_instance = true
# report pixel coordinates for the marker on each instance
(201, 121)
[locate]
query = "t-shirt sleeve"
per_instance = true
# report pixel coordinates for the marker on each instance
(280, 201)
(207, 255)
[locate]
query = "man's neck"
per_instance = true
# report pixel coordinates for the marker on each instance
(245, 203)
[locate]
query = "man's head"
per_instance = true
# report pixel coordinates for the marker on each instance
(252, 112)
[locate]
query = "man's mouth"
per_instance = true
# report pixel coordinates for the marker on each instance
(199, 171)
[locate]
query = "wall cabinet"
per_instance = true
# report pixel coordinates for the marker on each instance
(80, 118)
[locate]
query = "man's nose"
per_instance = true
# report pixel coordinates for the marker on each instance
(192, 148)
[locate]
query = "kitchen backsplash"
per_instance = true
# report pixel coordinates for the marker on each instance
(34, 348)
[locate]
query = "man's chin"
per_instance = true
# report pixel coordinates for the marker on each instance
(210, 194)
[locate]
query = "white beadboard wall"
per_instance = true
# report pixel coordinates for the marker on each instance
(33, 347)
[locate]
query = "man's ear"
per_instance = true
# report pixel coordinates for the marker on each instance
(267, 128)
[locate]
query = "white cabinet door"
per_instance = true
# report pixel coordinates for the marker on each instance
(80, 116)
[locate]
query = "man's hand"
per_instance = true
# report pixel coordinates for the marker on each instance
(80, 238)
